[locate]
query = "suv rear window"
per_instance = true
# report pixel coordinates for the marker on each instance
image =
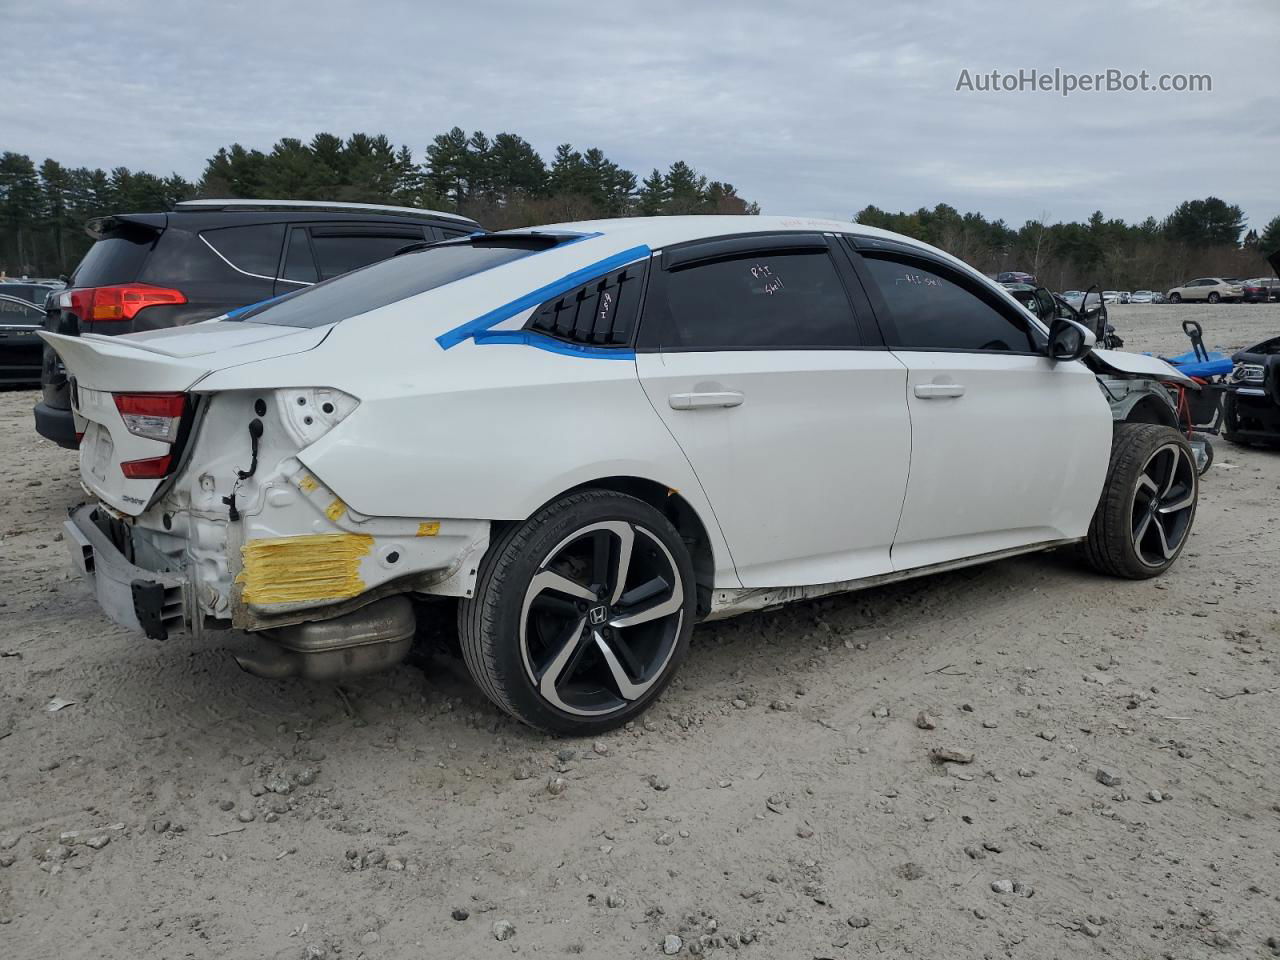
(391, 280)
(251, 249)
(116, 258)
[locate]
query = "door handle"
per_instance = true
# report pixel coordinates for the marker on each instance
(693, 401)
(936, 391)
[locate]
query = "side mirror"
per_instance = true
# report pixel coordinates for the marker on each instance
(1069, 340)
(1046, 305)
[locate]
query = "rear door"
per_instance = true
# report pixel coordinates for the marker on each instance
(1008, 448)
(760, 355)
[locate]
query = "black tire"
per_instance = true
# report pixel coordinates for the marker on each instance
(1214, 297)
(511, 621)
(1138, 548)
(1175, 298)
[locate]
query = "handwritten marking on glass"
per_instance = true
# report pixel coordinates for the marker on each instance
(772, 283)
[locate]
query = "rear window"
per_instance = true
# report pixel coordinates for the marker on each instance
(338, 253)
(251, 249)
(391, 280)
(116, 258)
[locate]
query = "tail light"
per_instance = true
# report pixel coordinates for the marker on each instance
(120, 302)
(156, 416)
(153, 468)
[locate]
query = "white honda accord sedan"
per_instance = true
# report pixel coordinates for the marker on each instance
(593, 435)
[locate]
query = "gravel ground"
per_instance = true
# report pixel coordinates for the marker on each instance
(780, 800)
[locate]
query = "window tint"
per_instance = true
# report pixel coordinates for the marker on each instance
(341, 254)
(928, 311)
(390, 280)
(252, 249)
(116, 258)
(298, 263)
(764, 301)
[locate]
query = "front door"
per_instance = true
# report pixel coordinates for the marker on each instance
(1009, 448)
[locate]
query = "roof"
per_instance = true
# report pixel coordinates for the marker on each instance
(300, 205)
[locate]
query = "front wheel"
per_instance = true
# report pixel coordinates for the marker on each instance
(1148, 502)
(581, 614)
(1175, 298)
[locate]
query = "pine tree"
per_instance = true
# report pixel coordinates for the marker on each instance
(653, 195)
(447, 167)
(1269, 242)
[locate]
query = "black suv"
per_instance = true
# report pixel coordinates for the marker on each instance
(206, 257)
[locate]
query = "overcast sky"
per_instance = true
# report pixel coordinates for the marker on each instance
(812, 109)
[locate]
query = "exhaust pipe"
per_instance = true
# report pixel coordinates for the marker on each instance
(372, 638)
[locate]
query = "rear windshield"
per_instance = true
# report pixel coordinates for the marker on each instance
(116, 258)
(391, 280)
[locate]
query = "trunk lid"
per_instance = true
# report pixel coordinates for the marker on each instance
(172, 361)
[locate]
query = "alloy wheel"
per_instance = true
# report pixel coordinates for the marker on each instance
(1164, 501)
(601, 618)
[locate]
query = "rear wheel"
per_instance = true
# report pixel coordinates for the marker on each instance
(1214, 297)
(1148, 502)
(581, 614)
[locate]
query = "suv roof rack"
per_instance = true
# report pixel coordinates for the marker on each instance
(317, 205)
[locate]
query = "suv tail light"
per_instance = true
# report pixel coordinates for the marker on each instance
(120, 302)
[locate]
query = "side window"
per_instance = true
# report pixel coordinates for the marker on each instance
(339, 252)
(599, 313)
(929, 311)
(252, 249)
(760, 301)
(299, 266)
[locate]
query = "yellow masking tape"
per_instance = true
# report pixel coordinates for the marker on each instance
(428, 528)
(297, 569)
(335, 510)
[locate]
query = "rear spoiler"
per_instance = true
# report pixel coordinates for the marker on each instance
(99, 227)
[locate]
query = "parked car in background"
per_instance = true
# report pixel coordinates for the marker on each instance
(1016, 276)
(1110, 296)
(20, 347)
(33, 291)
(1158, 297)
(793, 408)
(1140, 296)
(1207, 289)
(1260, 290)
(1124, 296)
(205, 257)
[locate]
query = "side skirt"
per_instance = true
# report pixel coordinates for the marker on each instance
(731, 602)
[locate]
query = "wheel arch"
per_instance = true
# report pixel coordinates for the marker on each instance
(707, 549)
(1150, 409)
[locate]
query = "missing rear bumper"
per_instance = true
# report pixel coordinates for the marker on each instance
(149, 601)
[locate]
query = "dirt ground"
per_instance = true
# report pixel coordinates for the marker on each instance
(779, 801)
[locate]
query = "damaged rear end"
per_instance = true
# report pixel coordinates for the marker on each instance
(207, 517)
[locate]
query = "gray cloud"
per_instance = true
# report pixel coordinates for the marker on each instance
(810, 108)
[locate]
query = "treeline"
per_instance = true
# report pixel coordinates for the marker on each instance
(501, 182)
(1199, 238)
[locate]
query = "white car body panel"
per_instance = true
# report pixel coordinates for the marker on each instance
(1017, 458)
(1139, 364)
(830, 470)
(829, 427)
